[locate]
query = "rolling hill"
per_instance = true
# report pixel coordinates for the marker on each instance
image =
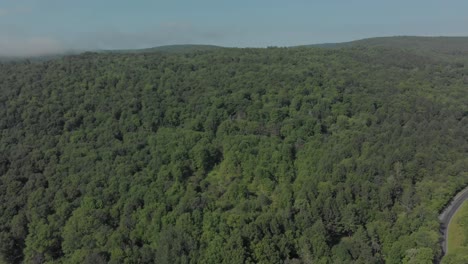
(449, 46)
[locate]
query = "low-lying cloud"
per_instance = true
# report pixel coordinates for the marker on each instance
(11, 46)
(14, 44)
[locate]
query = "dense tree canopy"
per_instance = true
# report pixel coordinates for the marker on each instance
(278, 155)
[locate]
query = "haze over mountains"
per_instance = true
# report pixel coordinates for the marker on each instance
(457, 46)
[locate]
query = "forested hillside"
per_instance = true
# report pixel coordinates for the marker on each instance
(452, 47)
(278, 155)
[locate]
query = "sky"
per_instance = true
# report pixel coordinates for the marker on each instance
(40, 27)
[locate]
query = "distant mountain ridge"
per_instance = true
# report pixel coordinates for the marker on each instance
(442, 45)
(179, 48)
(445, 45)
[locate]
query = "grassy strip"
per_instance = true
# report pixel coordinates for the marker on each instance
(456, 236)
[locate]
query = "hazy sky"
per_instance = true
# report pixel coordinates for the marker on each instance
(32, 27)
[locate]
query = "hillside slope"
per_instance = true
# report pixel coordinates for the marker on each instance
(273, 155)
(448, 46)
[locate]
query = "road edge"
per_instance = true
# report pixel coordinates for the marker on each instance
(447, 214)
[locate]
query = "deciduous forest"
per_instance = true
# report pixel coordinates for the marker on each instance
(225, 155)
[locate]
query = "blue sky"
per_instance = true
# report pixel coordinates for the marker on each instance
(32, 27)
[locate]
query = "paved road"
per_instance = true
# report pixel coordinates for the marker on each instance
(446, 216)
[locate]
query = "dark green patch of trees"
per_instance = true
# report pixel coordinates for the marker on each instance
(276, 155)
